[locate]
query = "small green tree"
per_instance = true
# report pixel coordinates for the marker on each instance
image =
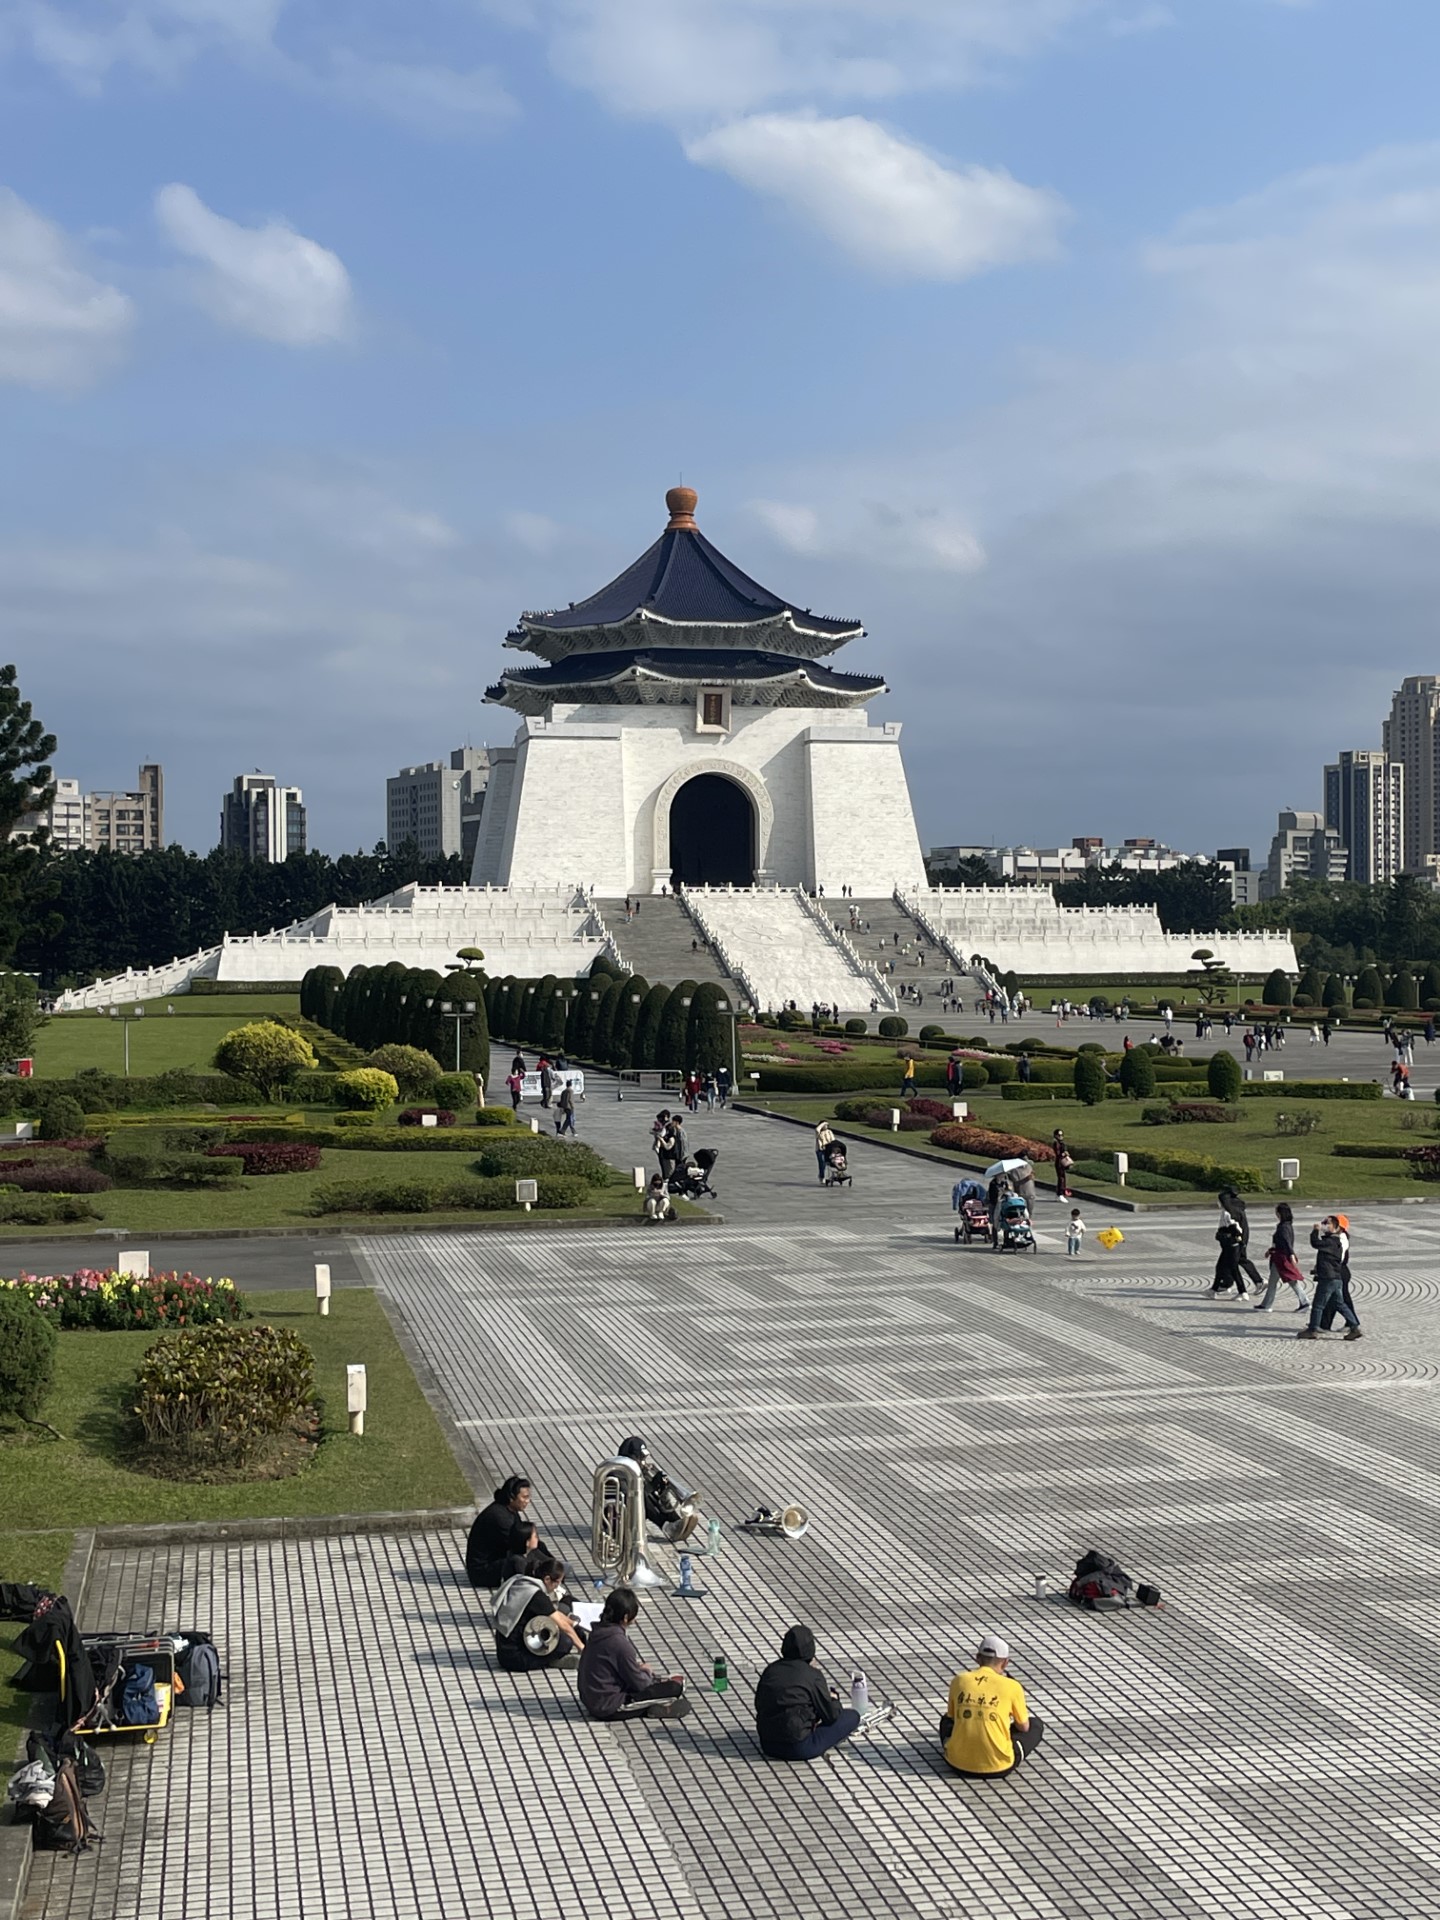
(893, 1027)
(415, 1073)
(1277, 989)
(1404, 990)
(366, 1089)
(1137, 1073)
(266, 1054)
(627, 1018)
(1369, 988)
(1090, 1078)
(556, 1014)
(1213, 986)
(675, 1028)
(610, 1001)
(708, 1034)
(580, 1029)
(647, 1026)
(1334, 994)
(1222, 1076)
(20, 1016)
(1311, 988)
(27, 1357)
(27, 885)
(537, 1009)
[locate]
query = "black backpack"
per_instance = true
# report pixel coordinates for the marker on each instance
(199, 1670)
(1100, 1583)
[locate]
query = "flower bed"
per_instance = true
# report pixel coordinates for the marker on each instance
(269, 1156)
(108, 1302)
(417, 1116)
(964, 1138)
(53, 1176)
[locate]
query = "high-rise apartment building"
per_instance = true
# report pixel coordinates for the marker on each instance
(1365, 803)
(109, 822)
(1304, 848)
(128, 822)
(261, 818)
(1410, 739)
(438, 807)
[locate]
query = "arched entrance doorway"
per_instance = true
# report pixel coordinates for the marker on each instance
(712, 834)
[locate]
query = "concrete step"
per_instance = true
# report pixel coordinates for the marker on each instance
(893, 935)
(659, 943)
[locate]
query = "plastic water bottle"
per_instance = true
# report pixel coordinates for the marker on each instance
(720, 1681)
(599, 1583)
(712, 1538)
(687, 1571)
(859, 1691)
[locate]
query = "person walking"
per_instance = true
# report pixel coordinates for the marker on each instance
(1331, 1243)
(1231, 1203)
(1074, 1233)
(907, 1081)
(1283, 1264)
(565, 1110)
(547, 1081)
(1064, 1160)
(1228, 1274)
(515, 1082)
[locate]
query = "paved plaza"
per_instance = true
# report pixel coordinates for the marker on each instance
(956, 1421)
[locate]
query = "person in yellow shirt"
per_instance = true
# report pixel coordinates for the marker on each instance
(988, 1730)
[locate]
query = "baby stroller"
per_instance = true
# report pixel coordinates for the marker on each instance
(968, 1200)
(1013, 1232)
(837, 1167)
(691, 1178)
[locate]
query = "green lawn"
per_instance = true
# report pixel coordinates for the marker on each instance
(1250, 1141)
(403, 1462)
(186, 1038)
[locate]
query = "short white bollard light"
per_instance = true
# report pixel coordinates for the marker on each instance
(637, 1174)
(322, 1287)
(134, 1265)
(527, 1192)
(894, 1119)
(960, 1109)
(1122, 1167)
(24, 1129)
(1289, 1173)
(534, 1126)
(1273, 1073)
(355, 1397)
(429, 1119)
(754, 1076)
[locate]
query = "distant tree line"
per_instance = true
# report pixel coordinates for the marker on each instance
(106, 911)
(1343, 927)
(1193, 897)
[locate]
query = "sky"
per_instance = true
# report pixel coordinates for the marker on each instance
(1085, 349)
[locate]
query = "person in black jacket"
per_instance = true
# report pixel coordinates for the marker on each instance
(1331, 1241)
(1283, 1264)
(500, 1535)
(798, 1715)
(1231, 1203)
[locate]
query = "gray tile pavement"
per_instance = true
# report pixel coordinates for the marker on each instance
(956, 1421)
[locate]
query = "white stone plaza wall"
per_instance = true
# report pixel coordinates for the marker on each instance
(583, 798)
(1024, 930)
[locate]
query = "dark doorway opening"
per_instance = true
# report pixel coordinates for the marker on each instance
(712, 834)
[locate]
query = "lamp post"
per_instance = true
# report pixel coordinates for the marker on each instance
(125, 1019)
(459, 1011)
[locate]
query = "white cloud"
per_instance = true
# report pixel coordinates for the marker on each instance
(59, 326)
(875, 533)
(427, 99)
(536, 532)
(84, 41)
(886, 202)
(269, 281)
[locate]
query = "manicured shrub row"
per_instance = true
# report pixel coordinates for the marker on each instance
(1181, 1113)
(269, 1156)
(43, 1209)
(535, 1156)
(218, 1392)
(849, 1079)
(1196, 1170)
(1084, 1171)
(96, 1091)
(1362, 1150)
(1016, 1091)
(961, 1137)
(425, 1196)
(369, 1139)
(55, 1177)
(417, 1116)
(107, 1302)
(1312, 1090)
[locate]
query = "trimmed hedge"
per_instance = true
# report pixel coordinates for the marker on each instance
(422, 1196)
(56, 1177)
(43, 1209)
(850, 1079)
(270, 1156)
(1017, 1091)
(416, 1116)
(1104, 1171)
(97, 1090)
(1196, 1170)
(1311, 1090)
(526, 1159)
(1182, 1112)
(1359, 1150)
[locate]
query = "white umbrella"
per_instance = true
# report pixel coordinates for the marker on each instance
(1004, 1166)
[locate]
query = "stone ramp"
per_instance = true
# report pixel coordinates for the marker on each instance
(918, 961)
(657, 943)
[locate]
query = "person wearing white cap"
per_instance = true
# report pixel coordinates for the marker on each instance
(988, 1729)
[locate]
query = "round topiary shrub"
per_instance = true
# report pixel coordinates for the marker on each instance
(1363, 1003)
(932, 1033)
(1090, 1078)
(366, 1089)
(1000, 1072)
(61, 1118)
(453, 1090)
(217, 1393)
(1137, 1074)
(27, 1356)
(1222, 1077)
(892, 1027)
(857, 1026)
(415, 1072)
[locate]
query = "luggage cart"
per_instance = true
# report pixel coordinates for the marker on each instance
(112, 1656)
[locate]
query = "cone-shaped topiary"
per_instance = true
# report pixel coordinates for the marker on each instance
(1222, 1076)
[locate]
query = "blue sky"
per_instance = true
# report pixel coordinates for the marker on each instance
(1084, 348)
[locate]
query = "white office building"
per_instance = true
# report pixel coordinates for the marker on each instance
(1304, 848)
(261, 818)
(1365, 804)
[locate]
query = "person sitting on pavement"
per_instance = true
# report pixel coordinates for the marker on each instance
(614, 1683)
(525, 1600)
(988, 1730)
(657, 1199)
(499, 1533)
(798, 1715)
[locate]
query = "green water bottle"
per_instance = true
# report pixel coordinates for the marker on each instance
(721, 1679)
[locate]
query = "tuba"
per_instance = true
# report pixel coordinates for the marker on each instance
(793, 1521)
(617, 1523)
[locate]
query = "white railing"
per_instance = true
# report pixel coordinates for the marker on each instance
(594, 921)
(880, 988)
(959, 961)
